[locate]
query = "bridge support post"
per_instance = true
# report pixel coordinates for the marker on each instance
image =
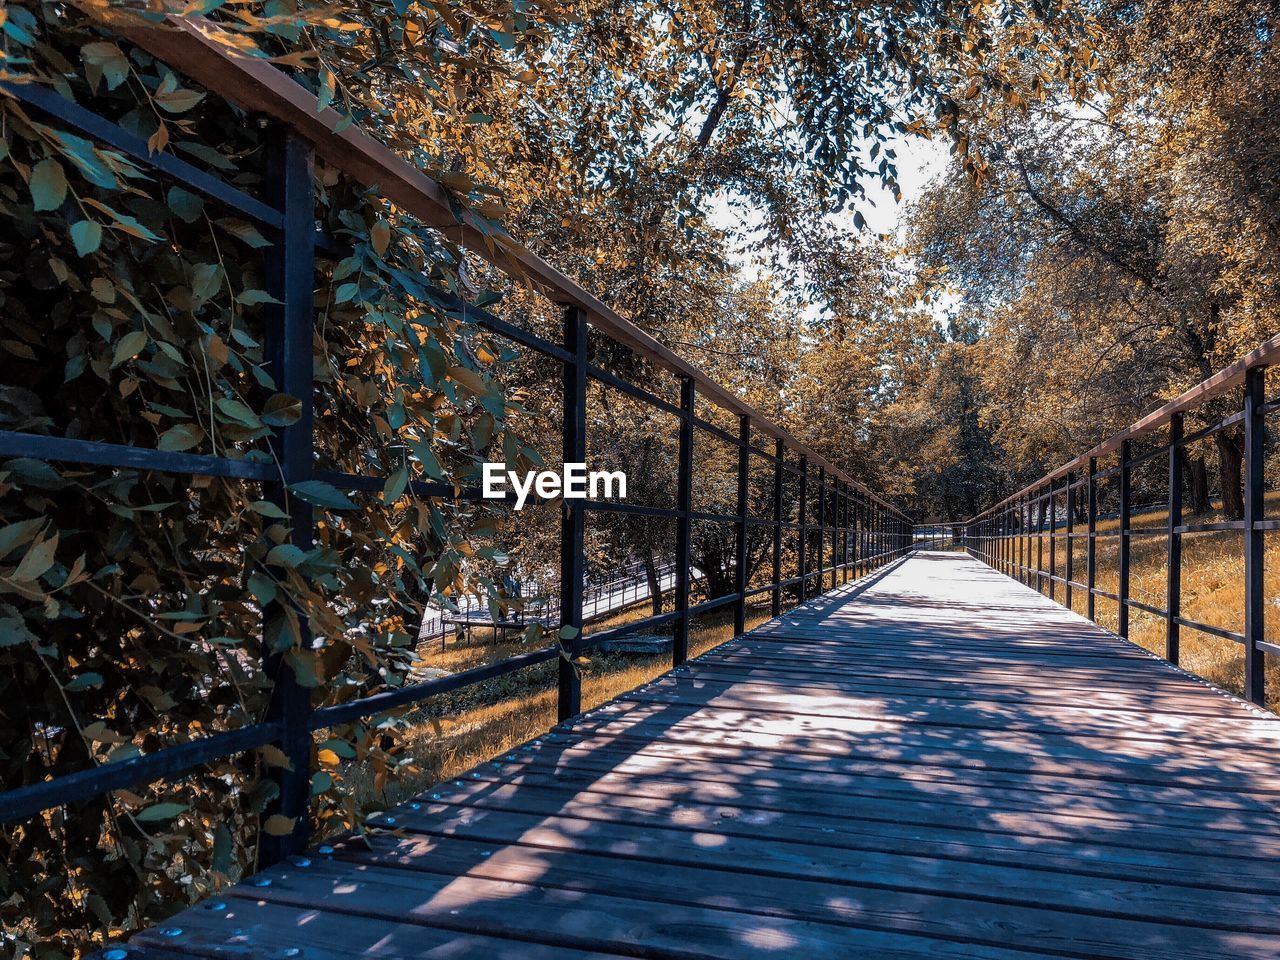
(740, 544)
(1173, 543)
(287, 343)
(1126, 451)
(803, 536)
(1068, 572)
(779, 474)
(684, 522)
(1254, 597)
(822, 527)
(1053, 542)
(1091, 547)
(572, 519)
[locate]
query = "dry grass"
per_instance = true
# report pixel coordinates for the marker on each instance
(1212, 585)
(454, 732)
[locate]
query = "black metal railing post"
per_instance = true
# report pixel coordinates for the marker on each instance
(1254, 508)
(684, 522)
(1126, 455)
(802, 536)
(822, 527)
(859, 551)
(740, 544)
(1091, 546)
(1173, 544)
(779, 473)
(1042, 508)
(1053, 542)
(572, 516)
(287, 341)
(1069, 568)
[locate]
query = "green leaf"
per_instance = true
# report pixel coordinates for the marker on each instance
(568, 632)
(322, 494)
(13, 631)
(104, 60)
(286, 555)
(281, 410)
(185, 205)
(253, 297)
(38, 559)
(262, 587)
(394, 488)
(85, 681)
(15, 535)
(206, 281)
(160, 811)
(87, 237)
(130, 346)
(244, 232)
(380, 237)
(237, 411)
(265, 508)
(184, 436)
(48, 185)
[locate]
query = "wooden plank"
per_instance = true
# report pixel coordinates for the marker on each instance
(249, 926)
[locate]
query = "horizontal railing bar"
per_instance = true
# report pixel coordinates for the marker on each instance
(629, 388)
(415, 693)
(706, 606)
(420, 488)
(712, 429)
(1212, 527)
(1158, 611)
(191, 177)
(21, 803)
(717, 517)
(1207, 628)
(619, 506)
(1213, 428)
(128, 457)
(626, 629)
(504, 328)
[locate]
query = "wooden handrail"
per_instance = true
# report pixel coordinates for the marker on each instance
(254, 84)
(1225, 379)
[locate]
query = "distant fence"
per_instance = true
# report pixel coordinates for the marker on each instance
(1012, 535)
(841, 530)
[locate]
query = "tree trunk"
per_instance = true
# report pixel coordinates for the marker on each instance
(1197, 483)
(655, 587)
(1230, 472)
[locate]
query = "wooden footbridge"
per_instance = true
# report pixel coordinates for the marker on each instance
(934, 762)
(925, 758)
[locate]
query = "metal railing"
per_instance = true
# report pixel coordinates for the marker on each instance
(936, 536)
(856, 529)
(1021, 535)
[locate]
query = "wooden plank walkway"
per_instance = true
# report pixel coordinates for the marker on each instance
(936, 762)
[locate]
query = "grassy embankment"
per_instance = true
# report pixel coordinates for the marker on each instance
(455, 732)
(1212, 592)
